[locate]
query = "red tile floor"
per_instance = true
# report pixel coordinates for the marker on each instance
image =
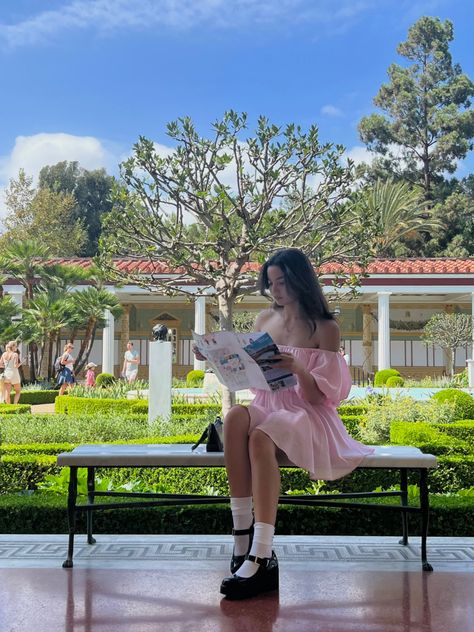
(170, 583)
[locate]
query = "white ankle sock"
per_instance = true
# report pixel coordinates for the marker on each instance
(242, 518)
(261, 547)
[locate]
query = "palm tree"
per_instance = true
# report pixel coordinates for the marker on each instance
(42, 320)
(393, 210)
(88, 308)
(27, 262)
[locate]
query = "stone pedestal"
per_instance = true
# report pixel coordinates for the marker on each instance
(159, 388)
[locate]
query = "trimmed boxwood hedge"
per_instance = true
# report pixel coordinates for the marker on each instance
(428, 438)
(68, 404)
(24, 471)
(14, 409)
(46, 513)
(459, 429)
(38, 397)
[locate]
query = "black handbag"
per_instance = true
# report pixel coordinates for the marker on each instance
(213, 435)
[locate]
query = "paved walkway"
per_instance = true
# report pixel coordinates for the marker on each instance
(157, 583)
(42, 408)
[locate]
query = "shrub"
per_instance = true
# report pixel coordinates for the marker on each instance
(463, 402)
(460, 429)
(382, 376)
(427, 437)
(195, 378)
(14, 409)
(352, 409)
(38, 397)
(104, 379)
(395, 381)
(379, 417)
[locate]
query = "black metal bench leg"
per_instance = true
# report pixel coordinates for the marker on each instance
(404, 502)
(71, 515)
(90, 498)
(425, 512)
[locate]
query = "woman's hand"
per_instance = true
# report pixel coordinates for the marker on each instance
(306, 381)
(285, 360)
(198, 354)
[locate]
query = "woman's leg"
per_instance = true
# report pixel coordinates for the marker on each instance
(8, 388)
(237, 462)
(17, 388)
(265, 476)
(236, 429)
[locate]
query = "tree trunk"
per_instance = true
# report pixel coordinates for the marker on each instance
(226, 305)
(86, 345)
(453, 362)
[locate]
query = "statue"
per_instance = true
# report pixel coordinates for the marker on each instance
(160, 332)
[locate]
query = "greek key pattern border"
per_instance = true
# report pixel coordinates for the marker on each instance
(303, 550)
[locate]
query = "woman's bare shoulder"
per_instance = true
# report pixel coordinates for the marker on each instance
(329, 335)
(263, 318)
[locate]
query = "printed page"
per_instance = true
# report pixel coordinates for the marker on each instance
(243, 360)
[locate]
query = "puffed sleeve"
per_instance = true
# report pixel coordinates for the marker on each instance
(331, 374)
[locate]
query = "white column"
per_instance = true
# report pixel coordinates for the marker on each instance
(16, 292)
(383, 330)
(108, 337)
(159, 380)
(200, 326)
(472, 315)
(470, 361)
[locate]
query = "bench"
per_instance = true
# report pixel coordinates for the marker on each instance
(92, 456)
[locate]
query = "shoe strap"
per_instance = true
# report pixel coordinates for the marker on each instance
(248, 531)
(263, 561)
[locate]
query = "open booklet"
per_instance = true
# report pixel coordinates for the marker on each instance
(244, 360)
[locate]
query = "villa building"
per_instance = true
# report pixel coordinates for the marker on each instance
(381, 325)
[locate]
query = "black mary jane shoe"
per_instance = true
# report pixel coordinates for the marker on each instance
(265, 579)
(237, 560)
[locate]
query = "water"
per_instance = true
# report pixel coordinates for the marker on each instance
(357, 392)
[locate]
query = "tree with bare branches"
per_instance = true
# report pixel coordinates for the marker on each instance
(213, 206)
(450, 332)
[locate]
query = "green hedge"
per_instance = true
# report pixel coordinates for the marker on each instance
(38, 397)
(20, 471)
(68, 404)
(352, 409)
(353, 424)
(459, 429)
(14, 409)
(46, 513)
(428, 438)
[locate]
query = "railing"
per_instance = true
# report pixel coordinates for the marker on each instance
(361, 377)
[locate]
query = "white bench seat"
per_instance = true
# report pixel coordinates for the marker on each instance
(180, 455)
(108, 455)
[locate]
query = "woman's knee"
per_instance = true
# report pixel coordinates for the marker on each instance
(237, 419)
(260, 443)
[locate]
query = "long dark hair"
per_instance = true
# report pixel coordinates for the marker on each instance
(301, 280)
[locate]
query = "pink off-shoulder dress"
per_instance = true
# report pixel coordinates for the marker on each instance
(311, 435)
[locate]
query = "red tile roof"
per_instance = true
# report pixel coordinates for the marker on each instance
(376, 267)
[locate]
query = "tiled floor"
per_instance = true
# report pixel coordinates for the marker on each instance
(170, 583)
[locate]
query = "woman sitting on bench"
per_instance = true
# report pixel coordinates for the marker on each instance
(301, 420)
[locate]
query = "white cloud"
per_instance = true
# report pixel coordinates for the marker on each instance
(359, 154)
(32, 153)
(331, 110)
(111, 15)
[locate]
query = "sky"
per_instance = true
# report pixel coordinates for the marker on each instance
(83, 79)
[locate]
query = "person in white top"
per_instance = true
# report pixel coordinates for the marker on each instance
(345, 355)
(66, 376)
(131, 360)
(10, 361)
